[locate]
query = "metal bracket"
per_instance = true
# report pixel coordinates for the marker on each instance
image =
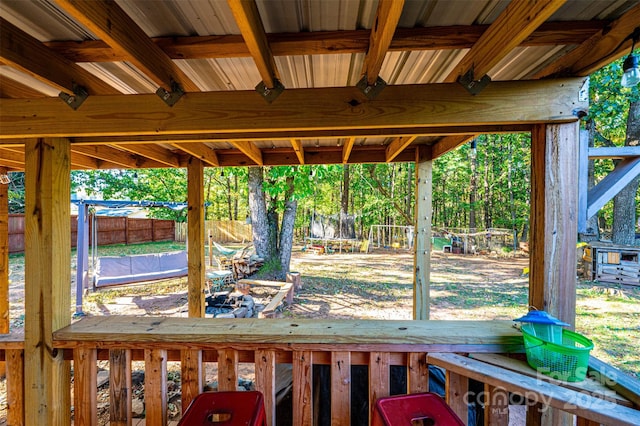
(473, 86)
(270, 93)
(170, 98)
(371, 91)
(78, 97)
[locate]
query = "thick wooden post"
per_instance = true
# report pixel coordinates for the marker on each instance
(195, 237)
(47, 279)
(554, 233)
(4, 259)
(422, 238)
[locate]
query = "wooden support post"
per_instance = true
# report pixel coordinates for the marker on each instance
(418, 373)
(85, 377)
(296, 279)
(120, 387)
(265, 361)
(227, 370)
(191, 370)
(422, 243)
(456, 390)
(341, 388)
(379, 380)
(15, 393)
(302, 398)
(155, 387)
(554, 230)
(47, 277)
(195, 237)
(4, 261)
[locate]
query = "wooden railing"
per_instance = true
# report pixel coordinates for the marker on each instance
(377, 347)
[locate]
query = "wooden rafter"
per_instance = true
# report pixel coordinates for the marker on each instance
(201, 151)
(598, 50)
(329, 42)
(10, 88)
(422, 108)
(347, 148)
(397, 146)
(250, 24)
(81, 161)
(449, 143)
(115, 156)
(154, 152)
(384, 25)
(512, 27)
(112, 24)
(299, 149)
(11, 158)
(28, 55)
(249, 149)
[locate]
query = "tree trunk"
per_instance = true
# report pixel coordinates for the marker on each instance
(624, 204)
(512, 205)
(473, 185)
(344, 203)
(235, 196)
(286, 230)
(227, 185)
(258, 211)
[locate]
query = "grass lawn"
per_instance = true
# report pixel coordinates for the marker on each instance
(379, 285)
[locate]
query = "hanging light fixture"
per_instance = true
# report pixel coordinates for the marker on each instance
(631, 75)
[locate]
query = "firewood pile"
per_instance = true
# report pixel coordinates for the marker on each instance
(245, 266)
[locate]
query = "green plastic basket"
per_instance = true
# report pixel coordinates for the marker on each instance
(567, 361)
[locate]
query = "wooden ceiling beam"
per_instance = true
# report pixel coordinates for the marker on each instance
(299, 149)
(25, 53)
(10, 88)
(600, 49)
(382, 30)
(153, 152)
(347, 148)
(511, 27)
(397, 146)
(110, 23)
(248, 20)
(449, 143)
(249, 149)
(316, 111)
(114, 156)
(12, 159)
(201, 151)
(329, 42)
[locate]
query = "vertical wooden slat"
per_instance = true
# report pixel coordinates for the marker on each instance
(155, 387)
(191, 371)
(496, 406)
(120, 387)
(456, 388)
(15, 391)
(85, 373)
(340, 388)
(302, 385)
(379, 381)
(418, 372)
(422, 255)
(265, 362)
(47, 277)
(195, 236)
(585, 422)
(227, 370)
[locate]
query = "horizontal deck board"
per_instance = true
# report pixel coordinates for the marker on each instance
(365, 335)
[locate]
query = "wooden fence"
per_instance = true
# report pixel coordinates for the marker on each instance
(111, 230)
(222, 231)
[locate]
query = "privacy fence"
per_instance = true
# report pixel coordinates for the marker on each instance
(110, 230)
(222, 231)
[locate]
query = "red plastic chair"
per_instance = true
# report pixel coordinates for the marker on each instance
(418, 409)
(226, 409)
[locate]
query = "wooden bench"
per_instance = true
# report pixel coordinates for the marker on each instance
(592, 403)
